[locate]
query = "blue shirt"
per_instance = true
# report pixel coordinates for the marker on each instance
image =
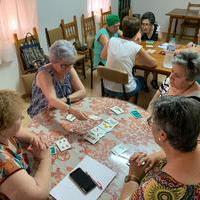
(39, 101)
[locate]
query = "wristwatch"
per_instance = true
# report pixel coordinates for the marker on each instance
(131, 178)
(68, 101)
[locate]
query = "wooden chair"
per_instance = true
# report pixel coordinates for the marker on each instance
(115, 76)
(104, 16)
(89, 32)
(195, 24)
(53, 35)
(70, 33)
(27, 77)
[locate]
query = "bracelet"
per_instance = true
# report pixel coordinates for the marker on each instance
(131, 178)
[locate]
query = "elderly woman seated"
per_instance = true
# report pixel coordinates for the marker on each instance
(15, 181)
(174, 172)
(57, 83)
(183, 78)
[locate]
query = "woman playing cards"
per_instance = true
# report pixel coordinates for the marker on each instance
(173, 173)
(15, 181)
(57, 83)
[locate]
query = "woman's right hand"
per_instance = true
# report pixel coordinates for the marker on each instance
(78, 114)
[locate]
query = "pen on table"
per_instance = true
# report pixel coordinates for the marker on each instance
(97, 183)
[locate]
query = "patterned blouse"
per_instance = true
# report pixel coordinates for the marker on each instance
(39, 101)
(158, 185)
(11, 161)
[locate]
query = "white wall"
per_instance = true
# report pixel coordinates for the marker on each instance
(160, 8)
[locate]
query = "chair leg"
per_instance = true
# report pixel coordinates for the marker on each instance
(102, 89)
(83, 68)
(91, 78)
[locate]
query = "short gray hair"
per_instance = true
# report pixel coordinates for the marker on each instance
(179, 117)
(62, 50)
(191, 61)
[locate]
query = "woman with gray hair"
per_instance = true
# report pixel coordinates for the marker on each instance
(183, 78)
(172, 173)
(57, 83)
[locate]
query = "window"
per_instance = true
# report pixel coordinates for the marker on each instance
(96, 5)
(16, 16)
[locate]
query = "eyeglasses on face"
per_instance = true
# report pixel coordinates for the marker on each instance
(64, 66)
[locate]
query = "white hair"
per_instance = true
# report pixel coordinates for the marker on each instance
(62, 50)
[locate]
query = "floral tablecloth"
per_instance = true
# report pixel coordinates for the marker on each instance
(135, 133)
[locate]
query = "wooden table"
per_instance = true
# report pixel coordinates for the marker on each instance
(181, 14)
(159, 59)
(134, 132)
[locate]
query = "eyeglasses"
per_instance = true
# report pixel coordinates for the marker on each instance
(150, 121)
(64, 66)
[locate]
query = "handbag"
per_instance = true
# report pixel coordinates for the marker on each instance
(32, 54)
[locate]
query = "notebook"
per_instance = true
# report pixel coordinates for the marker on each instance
(66, 189)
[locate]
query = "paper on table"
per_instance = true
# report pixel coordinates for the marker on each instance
(66, 189)
(163, 46)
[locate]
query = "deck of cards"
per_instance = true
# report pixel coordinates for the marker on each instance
(117, 110)
(63, 144)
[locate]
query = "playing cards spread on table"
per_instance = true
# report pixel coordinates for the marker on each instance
(70, 117)
(119, 149)
(97, 132)
(63, 144)
(112, 122)
(117, 110)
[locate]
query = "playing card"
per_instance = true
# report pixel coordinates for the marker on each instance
(149, 46)
(136, 114)
(91, 138)
(98, 132)
(105, 126)
(112, 122)
(53, 150)
(70, 117)
(119, 149)
(94, 117)
(63, 144)
(117, 110)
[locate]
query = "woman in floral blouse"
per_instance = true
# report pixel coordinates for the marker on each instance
(174, 173)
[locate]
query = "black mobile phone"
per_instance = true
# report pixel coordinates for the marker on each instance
(82, 180)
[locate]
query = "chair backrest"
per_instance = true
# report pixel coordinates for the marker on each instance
(193, 6)
(70, 30)
(104, 16)
(113, 75)
(88, 29)
(18, 43)
(53, 35)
